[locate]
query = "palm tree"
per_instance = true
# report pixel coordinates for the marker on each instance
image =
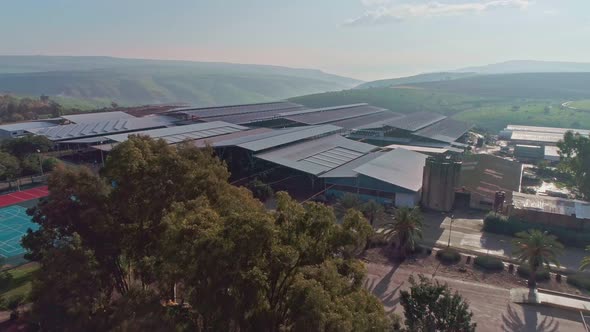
(585, 261)
(536, 249)
(406, 228)
(373, 211)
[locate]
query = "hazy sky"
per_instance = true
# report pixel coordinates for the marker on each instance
(366, 39)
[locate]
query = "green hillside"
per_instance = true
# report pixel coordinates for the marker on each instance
(431, 77)
(491, 102)
(134, 81)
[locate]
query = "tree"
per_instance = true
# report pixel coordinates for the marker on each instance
(574, 152)
(585, 261)
(27, 145)
(373, 211)
(9, 167)
(162, 222)
(346, 202)
(536, 249)
(430, 306)
(406, 229)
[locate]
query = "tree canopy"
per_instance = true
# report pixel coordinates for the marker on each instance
(163, 220)
(538, 250)
(431, 306)
(574, 151)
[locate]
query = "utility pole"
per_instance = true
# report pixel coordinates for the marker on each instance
(40, 161)
(451, 230)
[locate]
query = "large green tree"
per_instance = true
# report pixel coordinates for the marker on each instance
(537, 250)
(162, 221)
(574, 151)
(431, 306)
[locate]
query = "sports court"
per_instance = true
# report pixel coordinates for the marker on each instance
(14, 221)
(23, 196)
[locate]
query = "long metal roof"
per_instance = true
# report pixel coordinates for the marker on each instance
(447, 130)
(399, 167)
(317, 156)
(72, 131)
(218, 111)
(331, 116)
(182, 133)
(26, 125)
(368, 121)
(246, 118)
(415, 121)
(97, 117)
(554, 130)
(219, 141)
(347, 170)
(532, 136)
(554, 205)
(486, 174)
(291, 136)
(323, 109)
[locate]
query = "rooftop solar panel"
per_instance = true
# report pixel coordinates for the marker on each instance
(447, 130)
(335, 115)
(415, 121)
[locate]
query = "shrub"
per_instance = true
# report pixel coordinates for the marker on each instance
(448, 256)
(525, 272)
(376, 240)
(489, 263)
(260, 190)
(579, 280)
(511, 268)
(499, 224)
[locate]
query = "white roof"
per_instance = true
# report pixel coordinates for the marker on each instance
(97, 117)
(26, 125)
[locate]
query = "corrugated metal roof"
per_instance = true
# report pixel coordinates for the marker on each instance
(399, 167)
(530, 136)
(447, 130)
(181, 133)
(217, 140)
(368, 121)
(554, 205)
(323, 109)
(217, 111)
(317, 156)
(347, 170)
(335, 115)
(415, 121)
(247, 117)
(71, 131)
(26, 125)
(237, 141)
(554, 130)
(424, 149)
(97, 117)
(86, 140)
(300, 134)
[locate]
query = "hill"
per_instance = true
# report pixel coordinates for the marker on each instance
(430, 77)
(489, 101)
(138, 81)
(525, 85)
(528, 66)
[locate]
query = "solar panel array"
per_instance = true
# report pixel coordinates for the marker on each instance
(220, 111)
(182, 133)
(447, 130)
(334, 115)
(415, 121)
(70, 131)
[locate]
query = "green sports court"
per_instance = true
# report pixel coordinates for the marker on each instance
(14, 223)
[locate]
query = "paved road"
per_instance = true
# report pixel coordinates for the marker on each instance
(491, 306)
(467, 234)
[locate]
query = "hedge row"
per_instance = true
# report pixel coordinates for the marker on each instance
(580, 280)
(448, 256)
(489, 263)
(525, 272)
(499, 224)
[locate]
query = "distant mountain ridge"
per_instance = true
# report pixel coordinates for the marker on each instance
(528, 66)
(141, 81)
(420, 78)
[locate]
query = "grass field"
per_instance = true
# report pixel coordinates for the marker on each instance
(21, 282)
(580, 104)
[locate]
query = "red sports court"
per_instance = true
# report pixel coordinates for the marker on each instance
(23, 196)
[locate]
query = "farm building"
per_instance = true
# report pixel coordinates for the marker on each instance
(483, 175)
(551, 211)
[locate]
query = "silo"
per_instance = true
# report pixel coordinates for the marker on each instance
(441, 177)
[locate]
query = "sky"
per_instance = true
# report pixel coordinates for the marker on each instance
(364, 39)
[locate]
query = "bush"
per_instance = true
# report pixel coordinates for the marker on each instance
(260, 190)
(525, 272)
(511, 268)
(580, 280)
(489, 263)
(448, 256)
(499, 224)
(376, 240)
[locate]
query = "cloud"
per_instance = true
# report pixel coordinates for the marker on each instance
(383, 11)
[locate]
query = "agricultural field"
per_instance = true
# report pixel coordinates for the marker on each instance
(583, 105)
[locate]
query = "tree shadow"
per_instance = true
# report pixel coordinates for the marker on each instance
(380, 289)
(513, 322)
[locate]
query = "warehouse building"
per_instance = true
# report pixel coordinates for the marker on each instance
(550, 211)
(14, 130)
